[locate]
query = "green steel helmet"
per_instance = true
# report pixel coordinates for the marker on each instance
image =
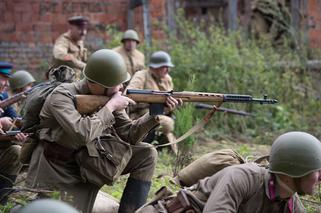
(107, 68)
(48, 206)
(20, 79)
(160, 59)
(295, 154)
(130, 35)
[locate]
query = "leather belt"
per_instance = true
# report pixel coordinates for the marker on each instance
(57, 152)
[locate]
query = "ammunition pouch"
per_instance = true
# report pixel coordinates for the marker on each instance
(179, 204)
(165, 202)
(105, 168)
(56, 152)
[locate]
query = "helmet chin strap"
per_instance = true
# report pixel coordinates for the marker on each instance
(284, 185)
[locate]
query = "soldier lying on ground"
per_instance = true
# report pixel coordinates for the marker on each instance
(155, 78)
(78, 154)
(295, 168)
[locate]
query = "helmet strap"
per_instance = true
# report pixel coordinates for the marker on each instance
(284, 185)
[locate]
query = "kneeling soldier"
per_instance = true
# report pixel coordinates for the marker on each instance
(77, 153)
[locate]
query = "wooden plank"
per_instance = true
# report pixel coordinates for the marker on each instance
(232, 15)
(147, 26)
(170, 4)
(295, 14)
(304, 10)
(130, 19)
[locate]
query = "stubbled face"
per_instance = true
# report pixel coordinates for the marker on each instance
(130, 45)
(78, 32)
(4, 83)
(160, 72)
(308, 184)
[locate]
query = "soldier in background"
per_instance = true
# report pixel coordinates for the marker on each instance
(9, 153)
(69, 47)
(7, 113)
(20, 81)
(155, 78)
(69, 141)
(134, 59)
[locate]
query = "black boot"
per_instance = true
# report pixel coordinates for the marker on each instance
(134, 195)
(6, 183)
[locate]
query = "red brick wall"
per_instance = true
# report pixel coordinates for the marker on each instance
(29, 28)
(314, 23)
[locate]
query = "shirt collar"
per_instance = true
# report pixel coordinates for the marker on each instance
(272, 192)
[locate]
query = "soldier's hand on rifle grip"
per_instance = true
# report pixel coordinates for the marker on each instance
(118, 102)
(173, 103)
(21, 137)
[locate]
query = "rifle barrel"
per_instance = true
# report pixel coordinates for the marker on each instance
(248, 98)
(157, 96)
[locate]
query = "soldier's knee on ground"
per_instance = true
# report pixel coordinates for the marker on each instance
(166, 124)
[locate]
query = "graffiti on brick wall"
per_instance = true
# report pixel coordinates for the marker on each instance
(73, 7)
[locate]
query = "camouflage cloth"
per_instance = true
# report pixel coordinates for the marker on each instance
(66, 47)
(134, 60)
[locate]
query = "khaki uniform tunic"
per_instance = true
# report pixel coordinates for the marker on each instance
(135, 60)
(64, 45)
(63, 125)
(145, 80)
(243, 189)
(236, 189)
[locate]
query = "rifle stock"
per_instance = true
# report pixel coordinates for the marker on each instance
(10, 136)
(88, 104)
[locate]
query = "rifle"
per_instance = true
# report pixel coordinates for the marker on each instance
(9, 136)
(88, 104)
(222, 109)
(14, 99)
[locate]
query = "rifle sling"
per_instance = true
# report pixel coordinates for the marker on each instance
(197, 127)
